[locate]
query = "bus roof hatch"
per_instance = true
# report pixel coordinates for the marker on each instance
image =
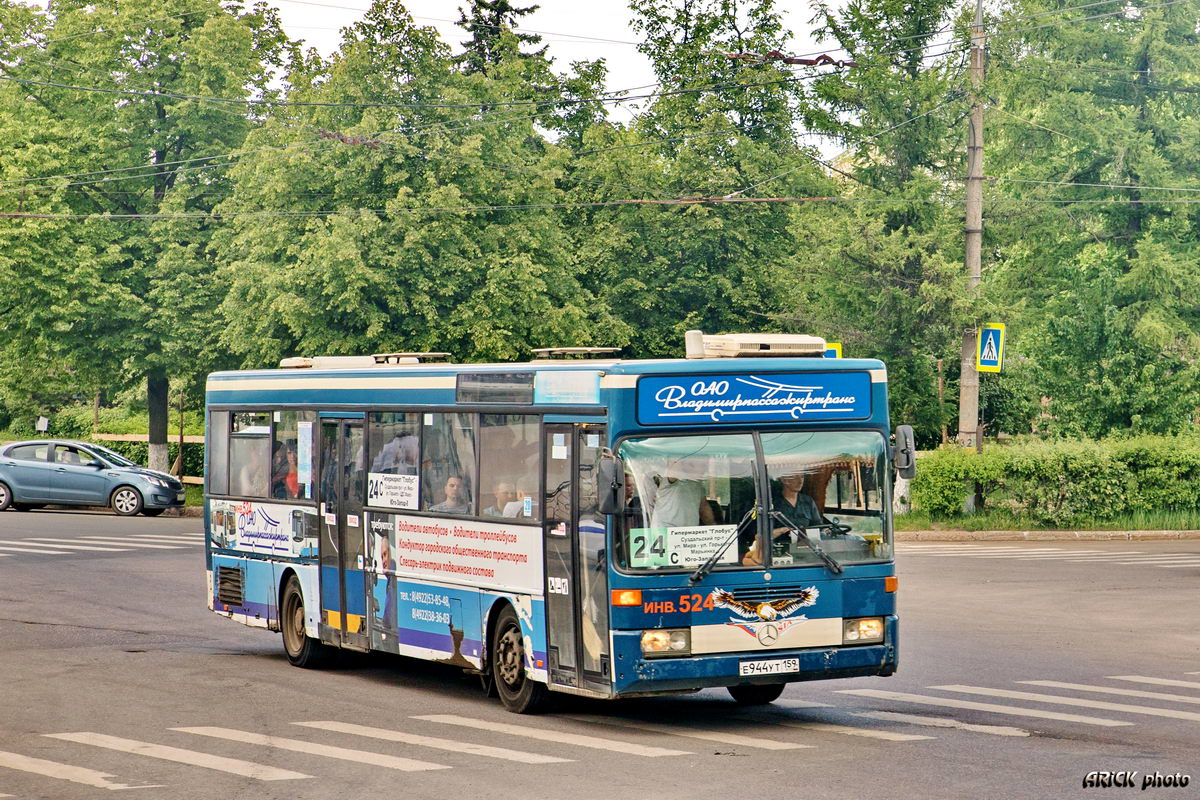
(753, 345)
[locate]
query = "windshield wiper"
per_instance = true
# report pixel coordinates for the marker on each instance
(802, 536)
(707, 566)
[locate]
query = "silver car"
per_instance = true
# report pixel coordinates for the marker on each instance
(44, 472)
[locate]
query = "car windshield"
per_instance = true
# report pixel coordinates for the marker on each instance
(685, 496)
(115, 458)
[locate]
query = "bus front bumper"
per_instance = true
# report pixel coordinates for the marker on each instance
(635, 674)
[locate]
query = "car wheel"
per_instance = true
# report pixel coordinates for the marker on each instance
(153, 512)
(126, 501)
(518, 693)
(756, 695)
(302, 650)
(5, 496)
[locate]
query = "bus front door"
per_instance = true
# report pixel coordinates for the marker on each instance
(576, 588)
(343, 575)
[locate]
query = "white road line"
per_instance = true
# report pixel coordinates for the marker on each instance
(975, 551)
(849, 730)
(967, 548)
(1178, 566)
(61, 544)
(1110, 555)
(124, 542)
(593, 742)
(942, 722)
(5, 555)
(64, 772)
(1157, 681)
(246, 769)
(313, 749)
(691, 733)
(785, 703)
(1081, 687)
(156, 538)
(1014, 711)
(430, 741)
(1155, 563)
(1039, 555)
(1052, 699)
(34, 550)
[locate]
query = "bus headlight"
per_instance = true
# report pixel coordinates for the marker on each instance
(667, 642)
(862, 631)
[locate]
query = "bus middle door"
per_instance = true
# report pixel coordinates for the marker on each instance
(343, 573)
(576, 588)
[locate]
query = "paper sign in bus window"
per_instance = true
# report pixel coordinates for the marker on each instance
(680, 547)
(392, 491)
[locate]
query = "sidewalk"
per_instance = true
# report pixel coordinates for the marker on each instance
(1040, 536)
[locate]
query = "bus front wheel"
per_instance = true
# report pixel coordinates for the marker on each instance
(517, 692)
(302, 650)
(757, 694)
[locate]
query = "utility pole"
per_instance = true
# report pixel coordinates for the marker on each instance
(968, 386)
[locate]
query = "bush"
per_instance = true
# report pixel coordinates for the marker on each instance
(1064, 482)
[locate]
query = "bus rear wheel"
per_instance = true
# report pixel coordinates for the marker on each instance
(302, 650)
(518, 693)
(757, 694)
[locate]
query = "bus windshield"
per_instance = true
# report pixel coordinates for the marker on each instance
(685, 496)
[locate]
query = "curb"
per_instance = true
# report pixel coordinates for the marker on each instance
(1040, 536)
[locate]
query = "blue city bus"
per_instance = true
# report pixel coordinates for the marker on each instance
(593, 526)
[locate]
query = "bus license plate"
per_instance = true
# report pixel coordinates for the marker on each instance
(776, 667)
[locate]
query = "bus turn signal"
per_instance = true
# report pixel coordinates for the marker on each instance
(891, 583)
(626, 597)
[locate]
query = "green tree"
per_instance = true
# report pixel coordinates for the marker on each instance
(1108, 284)
(117, 287)
(427, 220)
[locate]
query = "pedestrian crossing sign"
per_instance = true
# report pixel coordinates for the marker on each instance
(990, 355)
(833, 349)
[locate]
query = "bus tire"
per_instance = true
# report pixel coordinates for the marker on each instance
(517, 691)
(758, 694)
(302, 650)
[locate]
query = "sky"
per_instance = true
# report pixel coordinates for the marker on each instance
(571, 29)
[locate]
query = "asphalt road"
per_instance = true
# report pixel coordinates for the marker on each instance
(114, 676)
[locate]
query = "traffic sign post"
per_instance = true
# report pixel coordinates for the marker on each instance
(989, 357)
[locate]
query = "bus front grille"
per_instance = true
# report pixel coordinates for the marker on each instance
(231, 585)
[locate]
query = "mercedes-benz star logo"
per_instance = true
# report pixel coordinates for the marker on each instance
(767, 635)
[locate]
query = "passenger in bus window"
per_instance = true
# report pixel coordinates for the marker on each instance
(279, 471)
(457, 497)
(397, 457)
(516, 507)
(291, 480)
(505, 493)
(680, 503)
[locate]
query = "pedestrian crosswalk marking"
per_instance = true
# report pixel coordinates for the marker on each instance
(65, 772)
(1156, 681)
(1080, 687)
(1016, 711)
(849, 730)
(40, 551)
(594, 742)
(124, 542)
(1099, 705)
(430, 741)
(1180, 566)
(154, 537)
(314, 749)
(64, 544)
(687, 731)
(196, 759)
(942, 722)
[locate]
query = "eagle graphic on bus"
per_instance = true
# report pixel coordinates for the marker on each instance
(766, 611)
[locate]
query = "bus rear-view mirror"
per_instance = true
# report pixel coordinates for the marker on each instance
(904, 453)
(610, 485)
